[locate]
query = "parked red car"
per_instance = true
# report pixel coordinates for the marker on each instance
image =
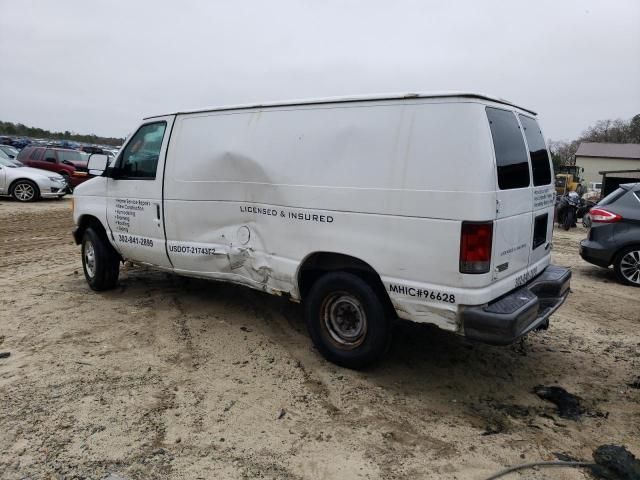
(68, 163)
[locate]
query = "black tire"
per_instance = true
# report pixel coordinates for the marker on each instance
(569, 219)
(623, 266)
(346, 299)
(100, 262)
(25, 191)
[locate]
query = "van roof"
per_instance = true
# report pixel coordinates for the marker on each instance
(351, 98)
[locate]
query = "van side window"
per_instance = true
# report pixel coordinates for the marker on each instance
(511, 154)
(540, 165)
(139, 160)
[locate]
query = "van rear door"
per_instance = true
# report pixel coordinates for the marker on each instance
(513, 231)
(543, 190)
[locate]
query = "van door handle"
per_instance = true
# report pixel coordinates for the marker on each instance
(157, 219)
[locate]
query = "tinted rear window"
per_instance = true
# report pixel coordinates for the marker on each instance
(511, 154)
(540, 166)
(612, 197)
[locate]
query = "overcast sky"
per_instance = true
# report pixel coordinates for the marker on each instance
(100, 66)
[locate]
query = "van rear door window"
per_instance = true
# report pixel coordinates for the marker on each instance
(540, 165)
(511, 153)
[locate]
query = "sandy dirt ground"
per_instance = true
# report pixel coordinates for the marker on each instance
(173, 378)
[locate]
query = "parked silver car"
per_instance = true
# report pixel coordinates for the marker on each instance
(27, 184)
(11, 152)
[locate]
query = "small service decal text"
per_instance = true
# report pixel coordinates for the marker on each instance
(143, 242)
(191, 250)
(422, 293)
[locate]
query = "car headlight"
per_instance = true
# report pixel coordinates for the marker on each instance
(56, 179)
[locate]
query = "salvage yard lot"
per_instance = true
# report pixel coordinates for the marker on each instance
(168, 377)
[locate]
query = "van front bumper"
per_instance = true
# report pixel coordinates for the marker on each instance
(508, 318)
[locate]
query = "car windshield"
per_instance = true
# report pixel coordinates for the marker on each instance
(9, 150)
(5, 162)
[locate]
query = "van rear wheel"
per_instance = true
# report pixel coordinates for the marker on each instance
(347, 320)
(100, 262)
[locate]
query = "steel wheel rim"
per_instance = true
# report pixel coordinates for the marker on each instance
(24, 192)
(630, 266)
(89, 259)
(344, 319)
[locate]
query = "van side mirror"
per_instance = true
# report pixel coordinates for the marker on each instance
(97, 163)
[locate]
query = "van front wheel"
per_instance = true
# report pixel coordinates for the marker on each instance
(347, 320)
(100, 262)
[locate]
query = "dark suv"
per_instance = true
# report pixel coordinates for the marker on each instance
(68, 163)
(614, 236)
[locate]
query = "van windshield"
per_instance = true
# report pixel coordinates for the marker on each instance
(511, 155)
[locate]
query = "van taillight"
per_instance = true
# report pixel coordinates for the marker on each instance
(600, 215)
(475, 247)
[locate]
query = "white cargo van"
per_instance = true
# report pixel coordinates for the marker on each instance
(435, 208)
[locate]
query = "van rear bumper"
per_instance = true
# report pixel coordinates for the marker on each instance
(506, 319)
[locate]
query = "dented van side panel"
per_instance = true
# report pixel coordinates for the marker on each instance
(248, 195)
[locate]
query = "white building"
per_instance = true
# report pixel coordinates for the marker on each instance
(597, 157)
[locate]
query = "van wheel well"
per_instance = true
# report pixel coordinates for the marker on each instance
(89, 221)
(319, 263)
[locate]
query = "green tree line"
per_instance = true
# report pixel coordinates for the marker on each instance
(20, 130)
(606, 131)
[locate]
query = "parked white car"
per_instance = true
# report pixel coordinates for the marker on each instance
(27, 184)
(11, 152)
(435, 208)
